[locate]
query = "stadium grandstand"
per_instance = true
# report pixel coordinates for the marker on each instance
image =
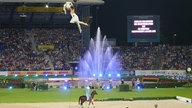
(40, 50)
(38, 38)
(38, 32)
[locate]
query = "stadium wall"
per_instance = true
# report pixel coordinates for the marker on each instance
(125, 73)
(160, 72)
(23, 73)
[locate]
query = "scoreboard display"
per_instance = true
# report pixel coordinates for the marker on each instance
(143, 28)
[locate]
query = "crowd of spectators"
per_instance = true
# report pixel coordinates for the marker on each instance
(176, 57)
(17, 52)
(161, 57)
(66, 44)
(138, 58)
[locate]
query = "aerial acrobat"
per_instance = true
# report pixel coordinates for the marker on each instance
(75, 19)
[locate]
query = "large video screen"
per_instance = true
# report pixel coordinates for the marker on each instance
(143, 28)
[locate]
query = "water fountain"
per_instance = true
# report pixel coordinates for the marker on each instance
(99, 60)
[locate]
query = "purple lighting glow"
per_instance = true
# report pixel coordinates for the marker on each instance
(99, 60)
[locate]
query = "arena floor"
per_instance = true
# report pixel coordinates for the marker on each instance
(104, 104)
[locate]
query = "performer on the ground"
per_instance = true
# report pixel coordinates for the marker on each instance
(87, 92)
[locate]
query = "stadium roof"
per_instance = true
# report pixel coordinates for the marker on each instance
(25, 12)
(85, 2)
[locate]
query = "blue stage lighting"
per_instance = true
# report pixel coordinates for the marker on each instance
(118, 75)
(65, 88)
(64, 75)
(15, 75)
(138, 87)
(94, 75)
(108, 88)
(109, 75)
(100, 75)
(46, 75)
(55, 75)
(10, 87)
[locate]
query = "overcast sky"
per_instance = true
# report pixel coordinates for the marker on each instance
(175, 17)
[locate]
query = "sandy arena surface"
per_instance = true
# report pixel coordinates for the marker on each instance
(104, 104)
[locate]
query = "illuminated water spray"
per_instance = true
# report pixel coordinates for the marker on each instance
(99, 60)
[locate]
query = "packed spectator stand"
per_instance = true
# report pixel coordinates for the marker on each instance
(19, 50)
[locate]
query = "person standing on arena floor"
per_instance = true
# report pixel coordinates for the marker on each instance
(133, 82)
(87, 91)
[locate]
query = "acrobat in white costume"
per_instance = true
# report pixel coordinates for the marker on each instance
(75, 19)
(67, 6)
